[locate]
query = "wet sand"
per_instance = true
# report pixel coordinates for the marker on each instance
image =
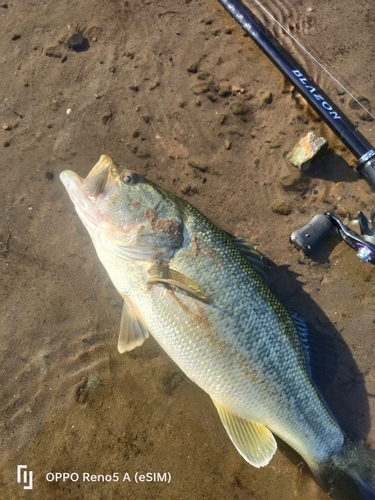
(155, 88)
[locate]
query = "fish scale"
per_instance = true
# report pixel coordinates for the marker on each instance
(235, 326)
(195, 291)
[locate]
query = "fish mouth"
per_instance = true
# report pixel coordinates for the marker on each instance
(85, 193)
(120, 220)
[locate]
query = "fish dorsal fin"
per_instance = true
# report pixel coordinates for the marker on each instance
(258, 260)
(253, 441)
(163, 274)
(320, 352)
(132, 331)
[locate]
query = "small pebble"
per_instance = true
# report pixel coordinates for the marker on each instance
(76, 42)
(237, 89)
(281, 207)
(53, 51)
(366, 117)
(356, 103)
(267, 97)
(295, 180)
(222, 118)
(143, 154)
(343, 212)
(200, 88)
(212, 97)
(93, 33)
(106, 118)
(239, 108)
(224, 90)
(193, 68)
(203, 75)
(188, 189)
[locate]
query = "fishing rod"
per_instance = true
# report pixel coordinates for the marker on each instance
(321, 226)
(314, 95)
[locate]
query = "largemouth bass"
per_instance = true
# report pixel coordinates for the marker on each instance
(194, 289)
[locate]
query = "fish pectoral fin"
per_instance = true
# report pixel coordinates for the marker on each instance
(253, 441)
(132, 331)
(163, 274)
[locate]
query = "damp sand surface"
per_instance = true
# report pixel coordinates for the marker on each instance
(175, 91)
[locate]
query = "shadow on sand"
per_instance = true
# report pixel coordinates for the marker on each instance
(334, 370)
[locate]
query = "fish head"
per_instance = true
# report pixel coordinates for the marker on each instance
(124, 212)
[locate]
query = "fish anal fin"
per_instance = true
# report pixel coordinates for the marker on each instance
(132, 331)
(163, 274)
(253, 441)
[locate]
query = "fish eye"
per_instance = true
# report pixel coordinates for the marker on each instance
(129, 178)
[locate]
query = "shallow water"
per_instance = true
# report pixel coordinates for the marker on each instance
(69, 401)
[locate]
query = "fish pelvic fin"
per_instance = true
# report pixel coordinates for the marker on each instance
(253, 441)
(132, 330)
(349, 474)
(163, 274)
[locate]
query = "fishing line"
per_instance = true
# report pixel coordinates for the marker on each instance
(316, 61)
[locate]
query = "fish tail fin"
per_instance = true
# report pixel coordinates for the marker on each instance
(349, 474)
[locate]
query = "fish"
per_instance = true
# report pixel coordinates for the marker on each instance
(202, 295)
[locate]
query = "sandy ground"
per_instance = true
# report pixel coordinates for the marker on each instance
(154, 88)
